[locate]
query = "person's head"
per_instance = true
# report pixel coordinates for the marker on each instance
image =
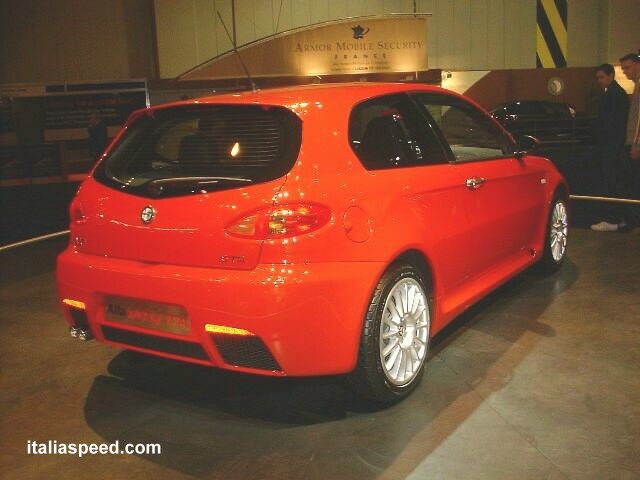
(605, 74)
(630, 64)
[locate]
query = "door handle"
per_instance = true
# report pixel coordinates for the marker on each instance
(474, 182)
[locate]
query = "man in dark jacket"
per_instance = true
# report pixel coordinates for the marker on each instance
(611, 134)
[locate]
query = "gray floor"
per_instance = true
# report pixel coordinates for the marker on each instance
(538, 381)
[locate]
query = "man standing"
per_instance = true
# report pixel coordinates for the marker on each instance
(630, 64)
(611, 126)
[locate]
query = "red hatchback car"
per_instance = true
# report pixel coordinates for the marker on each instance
(303, 231)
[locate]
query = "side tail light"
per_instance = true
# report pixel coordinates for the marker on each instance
(281, 221)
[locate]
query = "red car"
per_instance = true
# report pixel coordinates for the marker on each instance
(304, 231)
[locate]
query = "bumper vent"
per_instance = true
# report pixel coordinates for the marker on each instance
(245, 351)
(158, 344)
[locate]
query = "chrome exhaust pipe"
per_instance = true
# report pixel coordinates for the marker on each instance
(85, 335)
(80, 333)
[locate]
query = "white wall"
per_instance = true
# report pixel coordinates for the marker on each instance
(584, 34)
(602, 30)
(622, 29)
(70, 40)
(462, 34)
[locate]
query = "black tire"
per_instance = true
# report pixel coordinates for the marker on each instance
(548, 263)
(368, 380)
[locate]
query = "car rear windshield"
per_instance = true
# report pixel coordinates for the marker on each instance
(201, 148)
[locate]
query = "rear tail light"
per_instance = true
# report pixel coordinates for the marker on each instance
(281, 222)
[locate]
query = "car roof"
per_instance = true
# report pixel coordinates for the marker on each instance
(342, 93)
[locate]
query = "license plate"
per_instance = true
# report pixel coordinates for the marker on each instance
(154, 316)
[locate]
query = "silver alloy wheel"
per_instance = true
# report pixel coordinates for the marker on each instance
(404, 331)
(558, 231)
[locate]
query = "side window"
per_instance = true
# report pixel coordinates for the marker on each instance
(390, 132)
(471, 134)
(557, 110)
(528, 109)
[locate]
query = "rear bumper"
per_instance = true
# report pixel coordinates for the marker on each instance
(308, 317)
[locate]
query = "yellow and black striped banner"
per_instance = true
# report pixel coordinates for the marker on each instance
(551, 34)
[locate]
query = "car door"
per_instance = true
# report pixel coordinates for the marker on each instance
(423, 192)
(504, 194)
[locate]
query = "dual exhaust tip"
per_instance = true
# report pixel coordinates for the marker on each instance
(81, 333)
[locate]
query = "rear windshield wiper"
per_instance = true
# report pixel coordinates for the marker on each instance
(159, 184)
(197, 180)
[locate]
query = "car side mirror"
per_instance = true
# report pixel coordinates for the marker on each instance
(526, 144)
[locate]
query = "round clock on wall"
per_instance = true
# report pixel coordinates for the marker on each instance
(555, 86)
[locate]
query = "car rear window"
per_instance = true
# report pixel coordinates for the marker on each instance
(182, 150)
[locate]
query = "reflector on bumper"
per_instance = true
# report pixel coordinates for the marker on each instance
(226, 330)
(74, 303)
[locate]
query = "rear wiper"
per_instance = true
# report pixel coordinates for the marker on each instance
(159, 184)
(198, 180)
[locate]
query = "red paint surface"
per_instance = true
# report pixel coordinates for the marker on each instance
(306, 296)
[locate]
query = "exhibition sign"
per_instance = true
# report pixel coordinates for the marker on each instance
(387, 44)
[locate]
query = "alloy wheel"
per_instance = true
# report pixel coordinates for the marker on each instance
(558, 231)
(404, 331)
